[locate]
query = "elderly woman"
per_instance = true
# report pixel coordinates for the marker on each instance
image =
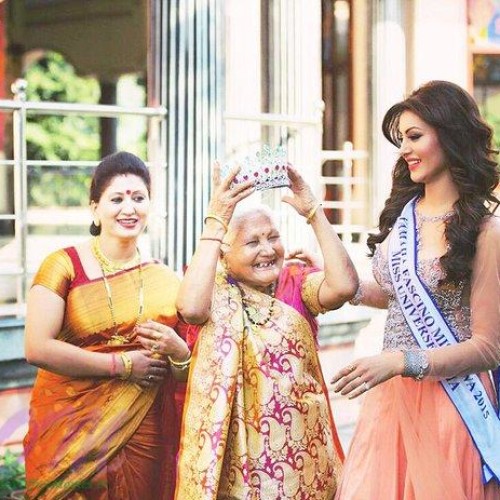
(257, 421)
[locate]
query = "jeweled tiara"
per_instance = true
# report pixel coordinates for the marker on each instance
(268, 168)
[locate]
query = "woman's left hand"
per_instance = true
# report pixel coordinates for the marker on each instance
(365, 373)
(162, 340)
(303, 199)
(308, 258)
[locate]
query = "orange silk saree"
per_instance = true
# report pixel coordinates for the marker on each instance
(100, 438)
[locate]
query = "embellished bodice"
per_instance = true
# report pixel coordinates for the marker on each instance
(453, 301)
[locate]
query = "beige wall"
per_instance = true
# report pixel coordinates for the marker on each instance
(439, 43)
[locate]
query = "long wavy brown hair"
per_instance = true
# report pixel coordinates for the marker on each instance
(466, 141)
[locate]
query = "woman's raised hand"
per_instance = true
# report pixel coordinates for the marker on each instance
(303, 199)
(224, 197)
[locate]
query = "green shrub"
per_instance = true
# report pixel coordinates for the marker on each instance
(12, 476)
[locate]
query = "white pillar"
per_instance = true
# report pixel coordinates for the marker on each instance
(389, 87)
(440, 44)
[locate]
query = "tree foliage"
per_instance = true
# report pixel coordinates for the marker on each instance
(54, 137)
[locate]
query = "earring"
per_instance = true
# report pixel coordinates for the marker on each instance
(97, 223)
(95, 228)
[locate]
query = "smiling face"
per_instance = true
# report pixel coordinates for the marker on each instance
(421, 149)
(254, 254)
(123, 207)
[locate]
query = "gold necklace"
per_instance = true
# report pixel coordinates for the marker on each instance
(117, 339)
(110, 266)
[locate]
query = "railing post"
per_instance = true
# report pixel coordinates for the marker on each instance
(20, 183)
(347, 189)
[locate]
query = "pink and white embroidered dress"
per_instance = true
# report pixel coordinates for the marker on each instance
(410, 442)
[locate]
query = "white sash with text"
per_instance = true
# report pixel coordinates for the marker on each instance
(431, 330)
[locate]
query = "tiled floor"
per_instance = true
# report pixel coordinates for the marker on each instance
(335, 357)
(345, 411)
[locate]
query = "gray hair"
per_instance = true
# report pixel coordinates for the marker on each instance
(241, 214)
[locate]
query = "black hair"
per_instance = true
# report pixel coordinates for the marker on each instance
(466, 141)
(120, 163)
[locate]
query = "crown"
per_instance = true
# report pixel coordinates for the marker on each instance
(268, 168)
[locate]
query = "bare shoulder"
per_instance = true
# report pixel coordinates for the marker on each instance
(491, 227)
(489, 237)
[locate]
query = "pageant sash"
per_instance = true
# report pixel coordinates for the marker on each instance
(431, 330)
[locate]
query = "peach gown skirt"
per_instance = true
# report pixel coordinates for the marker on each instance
(411, 444)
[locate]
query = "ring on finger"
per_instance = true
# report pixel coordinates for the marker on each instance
(155, 347)
(150, 377)
(351, 368)
(366, 386)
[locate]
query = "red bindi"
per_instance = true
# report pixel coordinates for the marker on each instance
(128, 191)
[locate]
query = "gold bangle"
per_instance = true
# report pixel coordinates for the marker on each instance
(217, 218)
(180, 365)
(312, 213)
(127, 364)
(206, 238)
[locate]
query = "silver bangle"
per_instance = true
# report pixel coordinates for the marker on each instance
(416, 364)
(358, 296)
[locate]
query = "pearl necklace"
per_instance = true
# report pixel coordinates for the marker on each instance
(109, 267)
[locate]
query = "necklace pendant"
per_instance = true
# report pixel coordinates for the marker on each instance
(117, 340)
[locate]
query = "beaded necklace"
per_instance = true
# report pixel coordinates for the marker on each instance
(109, 267)
(432, 218)
(251, 311)
(421, 218)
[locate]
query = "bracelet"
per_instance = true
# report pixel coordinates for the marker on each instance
(416, 364)
(127, 364)
(312, 213)
(358, 296)
(204, 238)
(219, 219)
(180, 365)
(113, 364)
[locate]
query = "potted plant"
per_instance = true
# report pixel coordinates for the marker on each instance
(12, 476)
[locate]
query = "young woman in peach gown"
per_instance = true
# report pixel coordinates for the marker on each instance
(429, 425)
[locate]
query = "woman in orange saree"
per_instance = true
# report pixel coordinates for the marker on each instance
(100, 326)
(257, 422)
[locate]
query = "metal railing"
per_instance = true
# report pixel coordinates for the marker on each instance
(20, 109)
(301, 136)
(347, 156)
(315, 159)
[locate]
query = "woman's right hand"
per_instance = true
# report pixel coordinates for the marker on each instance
(146, 370)
(224, 197)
